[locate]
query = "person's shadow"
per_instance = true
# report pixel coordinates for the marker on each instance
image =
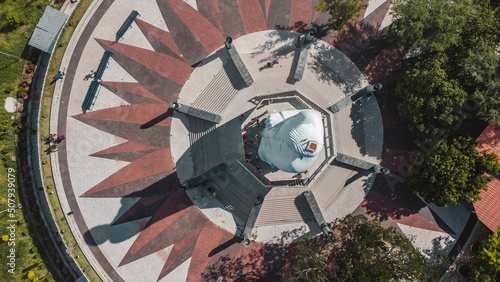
(48, 151)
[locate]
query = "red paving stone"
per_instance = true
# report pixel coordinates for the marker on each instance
(252, 15)
(169, 67)
(157, 162)
(164, 36)
(268, 5)
(300, 15)
(128, 151)
(395, 160)
(181, 252)
(343, 39)
(207, 34)
(230, 17)
(390, 116)
(382, 65)
(376, 18)
(143, 208)
(253, 261)
(138, 114)
(211, 236)
(121, 88)
(125, 148)
(378, 206)
(214, 8)
(172, 222)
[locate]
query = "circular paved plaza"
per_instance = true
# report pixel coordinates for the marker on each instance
(126, 158)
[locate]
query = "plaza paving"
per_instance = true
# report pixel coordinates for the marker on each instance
(123, 163)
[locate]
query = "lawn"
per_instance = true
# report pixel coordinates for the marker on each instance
(43, 129)
(17, 22)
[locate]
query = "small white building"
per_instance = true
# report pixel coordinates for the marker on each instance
(292, 140)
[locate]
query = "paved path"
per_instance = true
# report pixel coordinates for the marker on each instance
(121, 164)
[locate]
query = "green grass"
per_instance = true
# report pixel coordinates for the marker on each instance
(44, 131)
(14, 41)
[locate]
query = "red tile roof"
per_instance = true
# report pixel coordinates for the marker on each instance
(488, 208)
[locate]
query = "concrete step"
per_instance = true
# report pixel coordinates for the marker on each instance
(236, 198)
(284, 210)
(204, 145)
(221, 90)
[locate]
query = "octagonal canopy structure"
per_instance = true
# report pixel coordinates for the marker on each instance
(292, 140)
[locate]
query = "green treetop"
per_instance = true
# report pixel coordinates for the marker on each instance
(362, 251)
(453, 172)
(487, 266)
(431, 102)
(429, 23)
(341, 11)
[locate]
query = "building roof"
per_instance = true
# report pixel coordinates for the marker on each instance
(488, 208)
(47, 30)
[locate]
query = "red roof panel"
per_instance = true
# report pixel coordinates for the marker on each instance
(488, 208)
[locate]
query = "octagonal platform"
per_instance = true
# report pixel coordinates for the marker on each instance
(122, 164)
(198, 145)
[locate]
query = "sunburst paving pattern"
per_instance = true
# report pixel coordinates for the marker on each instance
(131, 130)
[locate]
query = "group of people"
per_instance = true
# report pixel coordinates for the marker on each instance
(270, 65)
(251, 136)
(54, 140)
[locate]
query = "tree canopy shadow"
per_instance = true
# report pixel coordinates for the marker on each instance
(333, 67)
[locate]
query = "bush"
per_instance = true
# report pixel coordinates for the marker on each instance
(18, 122)
(22, 92)
(9, 89)
(6, 150)
(487, 265)
(30, 68)
(13, 20)
(34, 250)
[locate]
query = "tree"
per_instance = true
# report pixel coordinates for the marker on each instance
(488, 102)
(431, 102)
(429, 23)
(479, 65)
(453, 172)
(477, 68)
(12, 20)
(362, 251)
(341, 11)
(487, 265)
(482, 24)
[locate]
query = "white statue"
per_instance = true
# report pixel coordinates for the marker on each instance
(292, 140)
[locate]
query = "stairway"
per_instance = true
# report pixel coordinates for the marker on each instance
(236, 197)
(284, 210)
(203, 140)
(203, 137)
(221, 90)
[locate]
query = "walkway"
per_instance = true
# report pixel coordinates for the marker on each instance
(125, 160)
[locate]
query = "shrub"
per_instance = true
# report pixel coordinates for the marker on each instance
(30, 68)
(9, 89)
(6, 150)
(13, 20)
(22, 92)
(34, 250)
